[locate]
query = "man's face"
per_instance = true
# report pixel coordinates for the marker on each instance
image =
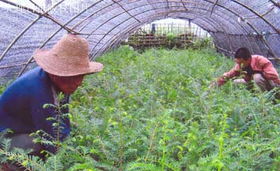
(242, 62)
(67, 84)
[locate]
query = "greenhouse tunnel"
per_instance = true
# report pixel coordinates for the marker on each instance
(105, 23)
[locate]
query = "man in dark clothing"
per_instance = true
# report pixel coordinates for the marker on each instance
(61, 70)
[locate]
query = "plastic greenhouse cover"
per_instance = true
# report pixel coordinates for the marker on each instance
(232, 23)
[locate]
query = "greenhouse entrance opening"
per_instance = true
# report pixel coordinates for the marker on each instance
(170, 33)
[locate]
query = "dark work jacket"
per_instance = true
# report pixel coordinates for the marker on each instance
(21, 106)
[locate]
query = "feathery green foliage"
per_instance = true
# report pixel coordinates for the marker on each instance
(154, 111)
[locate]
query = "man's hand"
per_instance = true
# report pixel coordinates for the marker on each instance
(214, 84)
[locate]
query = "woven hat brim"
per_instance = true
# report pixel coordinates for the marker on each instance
(44, 58)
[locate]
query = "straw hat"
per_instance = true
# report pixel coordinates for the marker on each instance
(68, 57)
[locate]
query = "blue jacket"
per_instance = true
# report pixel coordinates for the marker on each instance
(21, 106)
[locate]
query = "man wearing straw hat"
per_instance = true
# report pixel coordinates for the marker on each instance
(61, 69)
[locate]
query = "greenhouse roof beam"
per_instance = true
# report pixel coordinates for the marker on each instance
(125, 21)
(126, 10)
(258, 15)
(41, 14)
(24, 31)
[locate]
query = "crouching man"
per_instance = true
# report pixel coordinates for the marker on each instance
(251, 67)
(61, 70)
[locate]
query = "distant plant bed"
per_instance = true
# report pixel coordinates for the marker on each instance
(144, 41)
(154, 111)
